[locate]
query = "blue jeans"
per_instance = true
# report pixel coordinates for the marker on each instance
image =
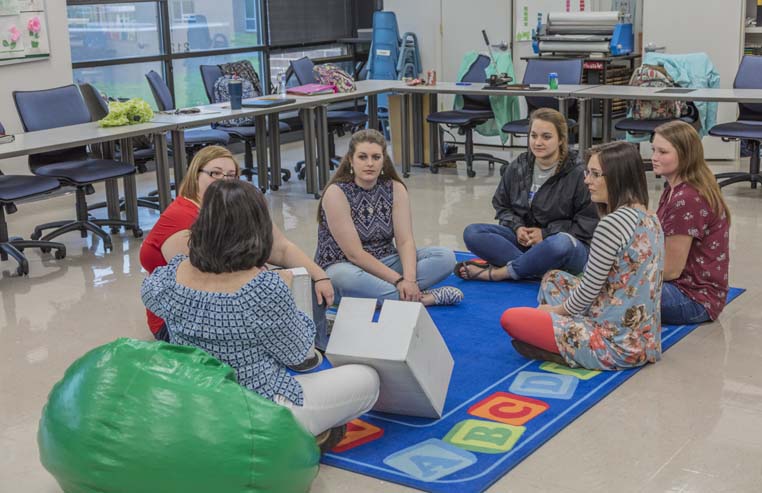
(433, 265)
(498, 245)
(678, 309)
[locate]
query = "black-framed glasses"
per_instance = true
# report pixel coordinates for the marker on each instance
(219, 175)
(593, 173)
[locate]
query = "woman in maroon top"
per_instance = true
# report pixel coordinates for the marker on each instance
(696, 222)
(170, 234)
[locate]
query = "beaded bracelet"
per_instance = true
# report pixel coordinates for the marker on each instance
(396, 283)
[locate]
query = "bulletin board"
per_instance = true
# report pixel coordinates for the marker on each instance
(23, 31)
(529, 11)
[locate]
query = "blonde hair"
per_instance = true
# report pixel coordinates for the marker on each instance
(344, 171)
(691, 165)
(555, 118)
(189, 186)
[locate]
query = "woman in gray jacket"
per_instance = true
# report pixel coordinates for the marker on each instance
(546, 218)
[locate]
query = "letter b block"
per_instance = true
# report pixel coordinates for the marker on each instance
(508, 408)
(484, 436)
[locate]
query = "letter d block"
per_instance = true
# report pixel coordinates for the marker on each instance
(508, 408)
(404, 347)
(544, 385)
(484, 436)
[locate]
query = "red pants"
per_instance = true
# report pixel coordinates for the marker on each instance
(530, 325)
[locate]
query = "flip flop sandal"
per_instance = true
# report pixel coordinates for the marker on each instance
(481, 264)
(533, 352)
(446, 295)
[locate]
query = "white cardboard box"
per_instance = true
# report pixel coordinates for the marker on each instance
(301, 288)
(404, 347)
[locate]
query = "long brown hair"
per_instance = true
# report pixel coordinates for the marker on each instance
(344, 173)
(691, 165)
(624, 174)
(189, 186)
(562, 129)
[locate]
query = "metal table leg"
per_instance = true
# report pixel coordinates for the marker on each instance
(260, 122)
(273, 127)
(179, 158)
(606, 122)
(434, 145)
(323, 154)
(405, 134)
(162, 170)
(417, 111)
(563, 107)
(310, 166)
(373, 112)
(585, 124)
(130, 186)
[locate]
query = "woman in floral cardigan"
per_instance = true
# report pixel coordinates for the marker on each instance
(608, 319)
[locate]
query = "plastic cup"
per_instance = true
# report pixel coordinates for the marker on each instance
(235, 89)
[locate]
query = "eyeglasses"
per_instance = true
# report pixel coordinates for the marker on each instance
(219, 175)
(594, 173)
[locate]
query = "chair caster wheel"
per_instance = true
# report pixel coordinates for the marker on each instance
(317, 196)
(23, 269)
(137, 233)
(60, 254)
(114, 230)
(471, 173)
(286, 174)
(302, 174)
(45, 250)
(406, 175)
(274, 188)
(36, 236)
(434, 169)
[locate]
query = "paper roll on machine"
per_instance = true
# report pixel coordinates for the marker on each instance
(607, 33)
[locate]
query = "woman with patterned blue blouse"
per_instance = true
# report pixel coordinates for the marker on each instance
(222, 299)
(365, 232)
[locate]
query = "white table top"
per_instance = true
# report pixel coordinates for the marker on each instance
(654, 93)
(54, 139)
(477, 88)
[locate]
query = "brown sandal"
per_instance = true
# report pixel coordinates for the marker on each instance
(481, 264)
(533, 352)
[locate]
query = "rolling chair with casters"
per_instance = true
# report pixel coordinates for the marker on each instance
(476, 110)
(98, 108)
(59, 107)
(569, 72)
(749, 123)
(247, 134)
(19, 187)
(338, 120)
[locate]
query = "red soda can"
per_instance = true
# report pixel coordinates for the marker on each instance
(433, 77)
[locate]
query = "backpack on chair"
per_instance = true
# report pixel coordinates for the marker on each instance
(331, 75)
(655, 76)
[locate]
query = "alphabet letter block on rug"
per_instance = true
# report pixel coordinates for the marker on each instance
(404, 347)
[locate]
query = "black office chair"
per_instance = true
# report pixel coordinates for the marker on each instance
(476, 110)
(749, 123)
(59, 107)
(569, 72)
(19, 187)
(339, 121)
(247, 134)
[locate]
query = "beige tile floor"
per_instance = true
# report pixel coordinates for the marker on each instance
(691, 423)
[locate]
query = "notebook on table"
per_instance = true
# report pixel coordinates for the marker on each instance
(266, 102)
(312, 89)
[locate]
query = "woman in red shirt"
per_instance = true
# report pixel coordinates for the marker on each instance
(696, 223)
(169, 236)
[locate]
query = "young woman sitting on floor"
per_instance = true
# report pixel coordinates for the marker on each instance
(365, 232)
(222, 299)
(545, 215)
(609, 319)
(696, 223)
(169, 237)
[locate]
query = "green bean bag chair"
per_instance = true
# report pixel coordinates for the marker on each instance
(139, 417)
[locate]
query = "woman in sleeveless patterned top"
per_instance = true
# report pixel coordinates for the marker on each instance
(610, 318)
(365, 232)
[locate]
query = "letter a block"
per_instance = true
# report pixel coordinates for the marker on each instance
(404, 347)
(508, 408)
(430, 460)
(358, 433)
(544, 385)
(484, 436)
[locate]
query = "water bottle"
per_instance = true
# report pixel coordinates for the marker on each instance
(282, 84)
(553, 80)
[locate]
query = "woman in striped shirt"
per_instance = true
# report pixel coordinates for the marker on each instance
(608, 319)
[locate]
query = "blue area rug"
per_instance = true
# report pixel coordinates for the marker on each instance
(500, 407)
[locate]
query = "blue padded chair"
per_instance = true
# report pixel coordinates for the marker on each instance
(476, 110)
(19, 187)
(749, 123)
(59, 107)
(247, 134)
(569, 72)
(338, 120)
